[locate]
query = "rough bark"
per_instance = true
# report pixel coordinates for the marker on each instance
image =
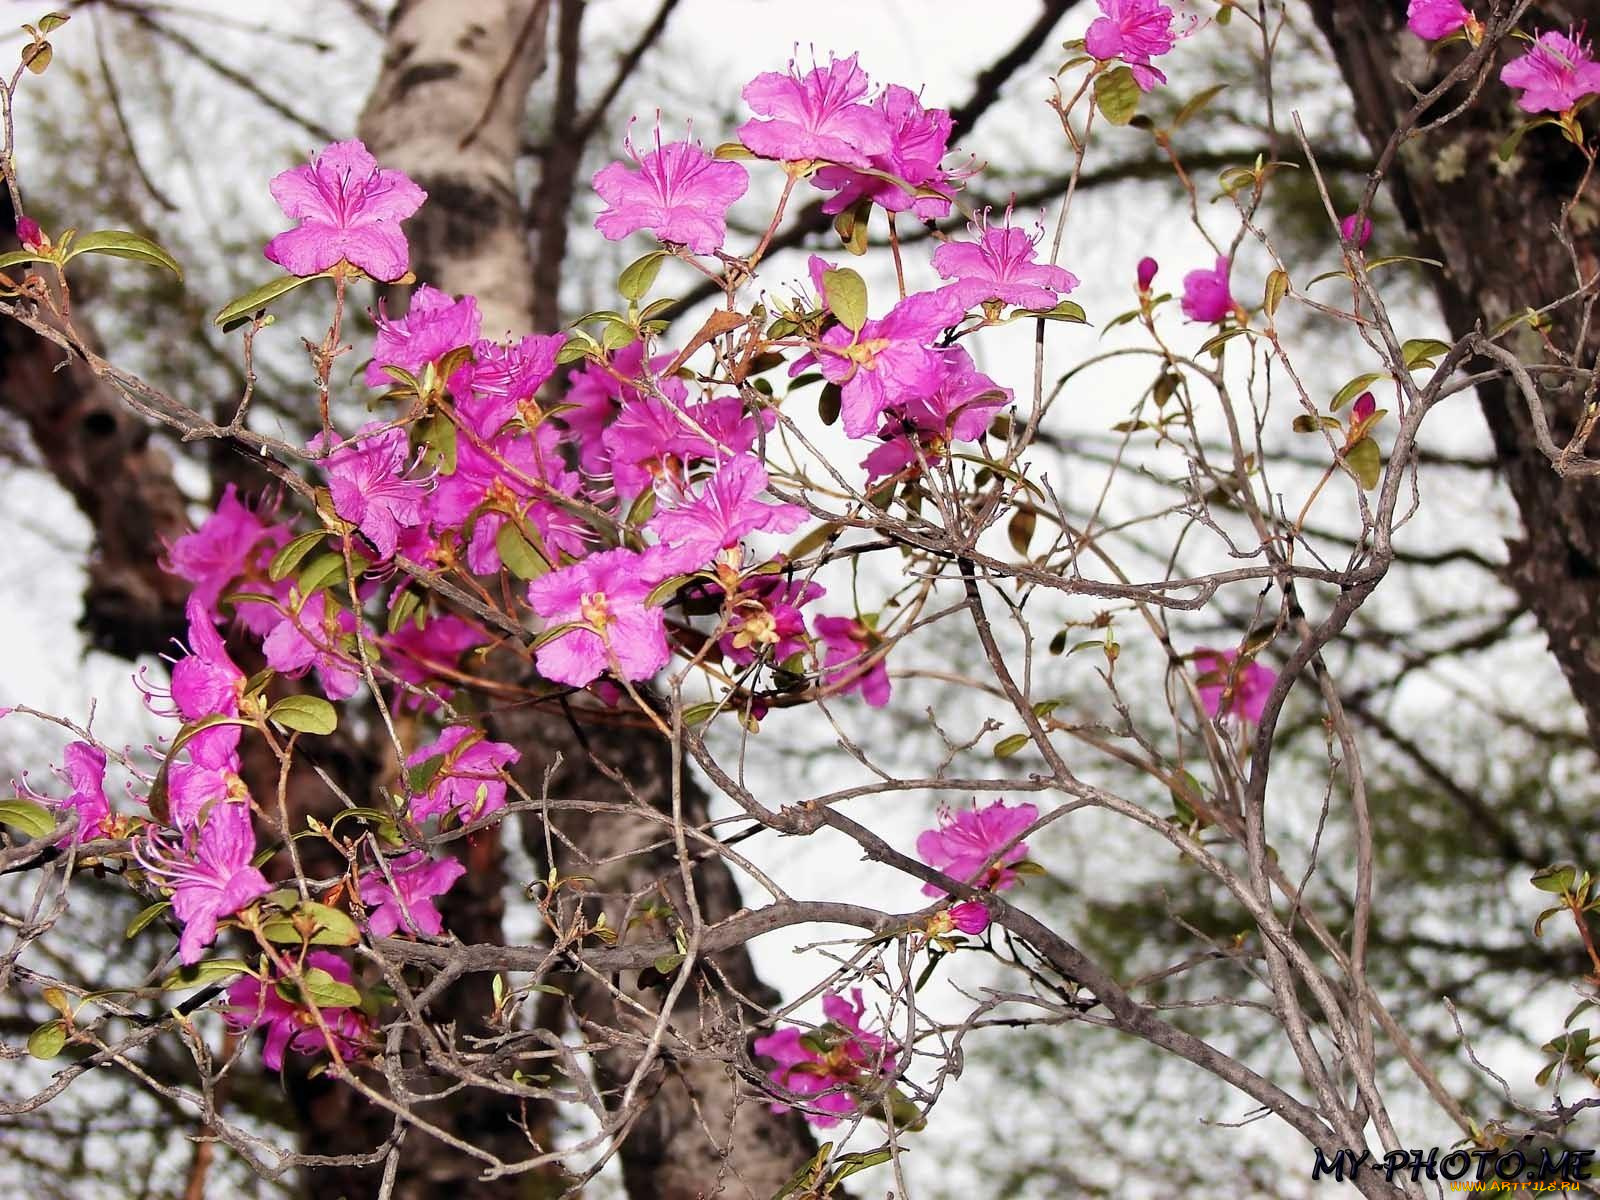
(1492, 225)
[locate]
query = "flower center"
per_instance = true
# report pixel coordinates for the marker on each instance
(595, 611)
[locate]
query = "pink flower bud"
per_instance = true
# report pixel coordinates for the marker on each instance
(970, 916)
(1147, 273)
(1356, 228)
(1365, 406)
(29, 233)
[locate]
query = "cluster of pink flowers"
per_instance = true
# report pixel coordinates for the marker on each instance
(978, 847)
(830, 1066)
(1557, 72)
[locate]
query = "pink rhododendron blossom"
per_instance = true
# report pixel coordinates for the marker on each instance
(1555, 74)
(720, 514)
(1356, 228)
(208, 775)
(889, 360)
(216, 554)
(252, 1003)
(467, 780)
(408, 905)
(999, 266)
(918, 140)
(766, 617)
(830, 1065)
(1206, 297)
(969, 916)
(1134, 31)
(348, 208)
(208, 871)
(848, 643)
(501, 376)
(417, 656)
(206, 683)
(1433, 19)
(29, 234)
(1228, 687)
(604, 595)
(515, 474)
(1146, 273)
(84, 773)
(598, 396)
(959, 408)
(679, 193)
(815, 115)
(433, 326)
(311, 638)
(971, 845)
(367, 478)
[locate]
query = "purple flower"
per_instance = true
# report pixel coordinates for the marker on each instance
(1146, 273)
(888, 361)
(1356, 228)
(723, 512)
(366, 476)
(604, 595)
(815, 115)
(433, 326)
(1432, 19)
(206, 683)
(1229, 687)
(84, 772)
(467, 780)
(598, 393)
(417, 656)
(409, 904)
(1135, 31)
(349, 209)
(252, 1002)
(216, 554)
(827, 1065)
(974, 845)
(846, 671)
(209, 873)
(679, 193)
(918, 139)
(1553, 76)
(1206, 297)
(29, 234)
(969, 916)
(766, 617)
(209, 775)
(1364, 407)
(501, 376)
(999, 266)
(311, 637)
(958, 409)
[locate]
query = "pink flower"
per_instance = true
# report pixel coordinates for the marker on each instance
(1356, 228)
(974, 845)
(1558, 72)
(501, 376)
(467, 780)
(604, 596)
(206, 683)
(969, 916)
(598, 395)
(1000, 266)
(1227, 687)
(1206, 297)
(291, 1026)
(84, 772)
(1134, 31)
(848, 642)
(417, 656)
(216, 554)
(679, 193)
(889, 360)
(957, 409)
(209, 873)
(829, 1065)
(366, 476)
(1432, 19)
(209, 775)
(312, 637)
(724, 511)
(29, 233)
(766, 617)
(409, 904)
(815, 115)
(1147, 273)
(918, 139)
(433, 326)
(349, 209)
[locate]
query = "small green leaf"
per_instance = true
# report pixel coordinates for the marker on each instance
(36, 56)
(14, 258)
(640, 275)
(847, 1165)
(1365, 460)
(33, 819)
(1117, 93)
(317, 987)
(237, 312)
(699, 714)
(731, 150)
(305, 714)
(1067, 311)
(146, 915)
(614, 335)
(1556, 879)
(201, 973)
(1007, 746)
(1354, 388)
(120, 243)
(1420, 352)
(53, 21)
(48, 1040)
(327, 926)
(518, 555)
(1277, 289)
(286, 560)
(1195, 103)
(829, 401)
(325, 571)
(404, 605)
(846, 294)
(668, 964)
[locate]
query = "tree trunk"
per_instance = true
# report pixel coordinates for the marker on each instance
(1492, 225)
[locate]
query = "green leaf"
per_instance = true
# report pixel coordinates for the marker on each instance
(326, 570)
(321, 989)
(668, 964)
(33, 819)
(237, 312)
(614, 335)
(1007, 746)
(146, 915)
(1117, 95)
(326, 926)
(640, 275)
(1556, 879)
(48, 1040)
(1066, 311)
(852, 226)
(1514, 139)
(518, 555)
(286, 560)
(120, 243)
(1365, 460)
(1420, 352)
(699, 714)
(13, 258)
(846, 294)
(53, 21)
(438, 433)
(847, 1165)
(829, 401)
(36, 56)
(1354, 388)
(405, 604)
(1195, 103)
(305, 714)
(201, 973)
(1277, 289)
(731, 150)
